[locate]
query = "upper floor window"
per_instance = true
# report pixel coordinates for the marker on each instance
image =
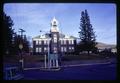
(64, 41)
(55, 40)
(55, 50)
(55, 35)
(45, 41)
(69, 41)
(55, 22)
(72, 41)
(61, 41)
(37, 42)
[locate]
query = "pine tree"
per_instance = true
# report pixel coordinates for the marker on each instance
(7, 34)
(86, 33)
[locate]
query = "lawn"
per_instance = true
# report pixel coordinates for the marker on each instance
(40, 58)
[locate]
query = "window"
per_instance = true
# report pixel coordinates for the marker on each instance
(37, 42)
(64, 41)
(40, 50)
(55, 50)
(69, 48)
(65, 49)
(54, 22)
(36, 49)
(54, 35)
(45, 49)
(45, 42)
(55, 40)
(72, 48)
(72, 41)
(69, 41)
(61, 49)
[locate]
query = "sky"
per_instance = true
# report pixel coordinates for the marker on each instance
(33, 17)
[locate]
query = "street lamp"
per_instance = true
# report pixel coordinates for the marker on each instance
(21, 60)
(21, 45)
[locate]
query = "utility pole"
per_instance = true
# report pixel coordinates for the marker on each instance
(21, 32)
(21, 46)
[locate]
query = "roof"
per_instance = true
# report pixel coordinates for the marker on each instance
(47, 35)
(44, 36)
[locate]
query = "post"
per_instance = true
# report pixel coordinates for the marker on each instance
(48, 56)
(45, 60)
(21, 60)
(56, 63)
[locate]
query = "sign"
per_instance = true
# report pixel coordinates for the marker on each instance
(20, 46)
(53, 57)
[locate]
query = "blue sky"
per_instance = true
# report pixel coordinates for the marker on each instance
(33, 17)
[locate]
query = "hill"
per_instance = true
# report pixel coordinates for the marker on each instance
(101, 45)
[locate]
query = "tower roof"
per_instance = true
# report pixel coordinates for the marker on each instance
(54, 21)
(54, 25)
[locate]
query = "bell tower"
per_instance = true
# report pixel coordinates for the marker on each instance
(54, 44)
(54, 48)
(54, 25)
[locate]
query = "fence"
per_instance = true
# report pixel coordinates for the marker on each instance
(12, 73)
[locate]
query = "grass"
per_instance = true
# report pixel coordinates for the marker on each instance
(40, 58)
(82, 57)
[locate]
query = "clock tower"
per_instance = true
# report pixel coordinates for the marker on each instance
(54, 36)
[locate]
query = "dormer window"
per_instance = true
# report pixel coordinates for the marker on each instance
(54, 22)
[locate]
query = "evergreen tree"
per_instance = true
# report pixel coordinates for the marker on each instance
(11, 40)
(7, 34)
(86, 33)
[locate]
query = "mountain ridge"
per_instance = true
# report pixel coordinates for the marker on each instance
(104, 45)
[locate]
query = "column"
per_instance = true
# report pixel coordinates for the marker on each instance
(50, 63)
(56, 62)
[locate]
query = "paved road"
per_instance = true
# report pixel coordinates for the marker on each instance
(91, 72)
(84, 72)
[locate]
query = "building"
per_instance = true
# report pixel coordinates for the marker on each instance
(54, 41)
